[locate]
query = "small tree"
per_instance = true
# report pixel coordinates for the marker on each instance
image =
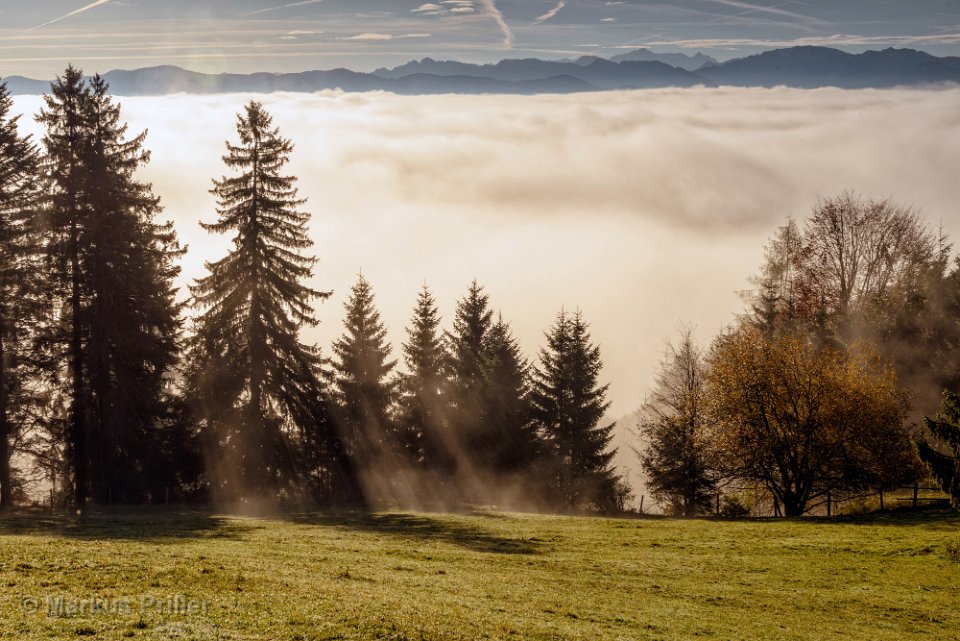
(945, 467)
(567, 406)
(673, 422)
(423, 422)
(365, 389)
(804, 419)
(467, 366)
(512, 445)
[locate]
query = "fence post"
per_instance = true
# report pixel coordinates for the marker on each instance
(642, 496)
(829, 504)
(916, 492)
(881, 500)
(718, 503)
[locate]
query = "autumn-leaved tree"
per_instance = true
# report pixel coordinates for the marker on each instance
(863, 269)
(803, 418)
(253, 382)
(859, 250)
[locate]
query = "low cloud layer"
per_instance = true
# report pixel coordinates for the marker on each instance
(644, 209)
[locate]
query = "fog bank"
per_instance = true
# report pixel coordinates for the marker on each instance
(645, 209)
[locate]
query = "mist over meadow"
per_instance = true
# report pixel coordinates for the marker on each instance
(643, 209)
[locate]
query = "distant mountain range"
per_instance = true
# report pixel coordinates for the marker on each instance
(805, 67)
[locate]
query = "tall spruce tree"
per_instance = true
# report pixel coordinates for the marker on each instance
(114, 267)
(365, 388)
(19, 280)
(65, 144)
(253, 382)
(133, 316)
(423, 423)
(568, 405)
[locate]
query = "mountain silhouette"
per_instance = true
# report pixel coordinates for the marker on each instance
(802, 67)
(810, 67)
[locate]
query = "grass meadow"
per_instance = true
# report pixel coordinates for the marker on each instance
(405, 576)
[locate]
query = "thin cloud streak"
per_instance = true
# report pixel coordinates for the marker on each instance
(824, 41)
(552, 13)
(773, 10)
(92, 5)
(283, 6)
(491, 9)
(386, 36)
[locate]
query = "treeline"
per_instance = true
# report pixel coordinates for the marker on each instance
(850, 338)
(108, 395)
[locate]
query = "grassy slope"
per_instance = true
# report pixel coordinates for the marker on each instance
(406, 576)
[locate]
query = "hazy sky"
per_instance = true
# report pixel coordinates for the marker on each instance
(38, 38)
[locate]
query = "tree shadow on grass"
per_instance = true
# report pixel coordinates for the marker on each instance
(157, 525)
(932, 518)
(134, 524)
(423, 527)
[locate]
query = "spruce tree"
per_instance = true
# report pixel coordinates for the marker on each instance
(568, 405)
(64, 143)
(19, 279)
(133, 316)
(112, 267)
(362, 376)
(467, 345)
(423, 425)
(944, 462)
(253, 382)
(512, 444)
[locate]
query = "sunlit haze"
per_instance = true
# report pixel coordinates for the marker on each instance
(646, 210)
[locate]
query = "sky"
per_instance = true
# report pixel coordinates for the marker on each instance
(37, 39)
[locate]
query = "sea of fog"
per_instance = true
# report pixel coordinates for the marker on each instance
(644, 209)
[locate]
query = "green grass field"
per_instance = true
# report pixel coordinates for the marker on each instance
(497, 576)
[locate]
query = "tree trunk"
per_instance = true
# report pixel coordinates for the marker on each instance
(6, 493)
(78, 428)
(793, 506)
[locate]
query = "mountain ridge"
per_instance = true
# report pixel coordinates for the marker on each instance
(801, 67)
